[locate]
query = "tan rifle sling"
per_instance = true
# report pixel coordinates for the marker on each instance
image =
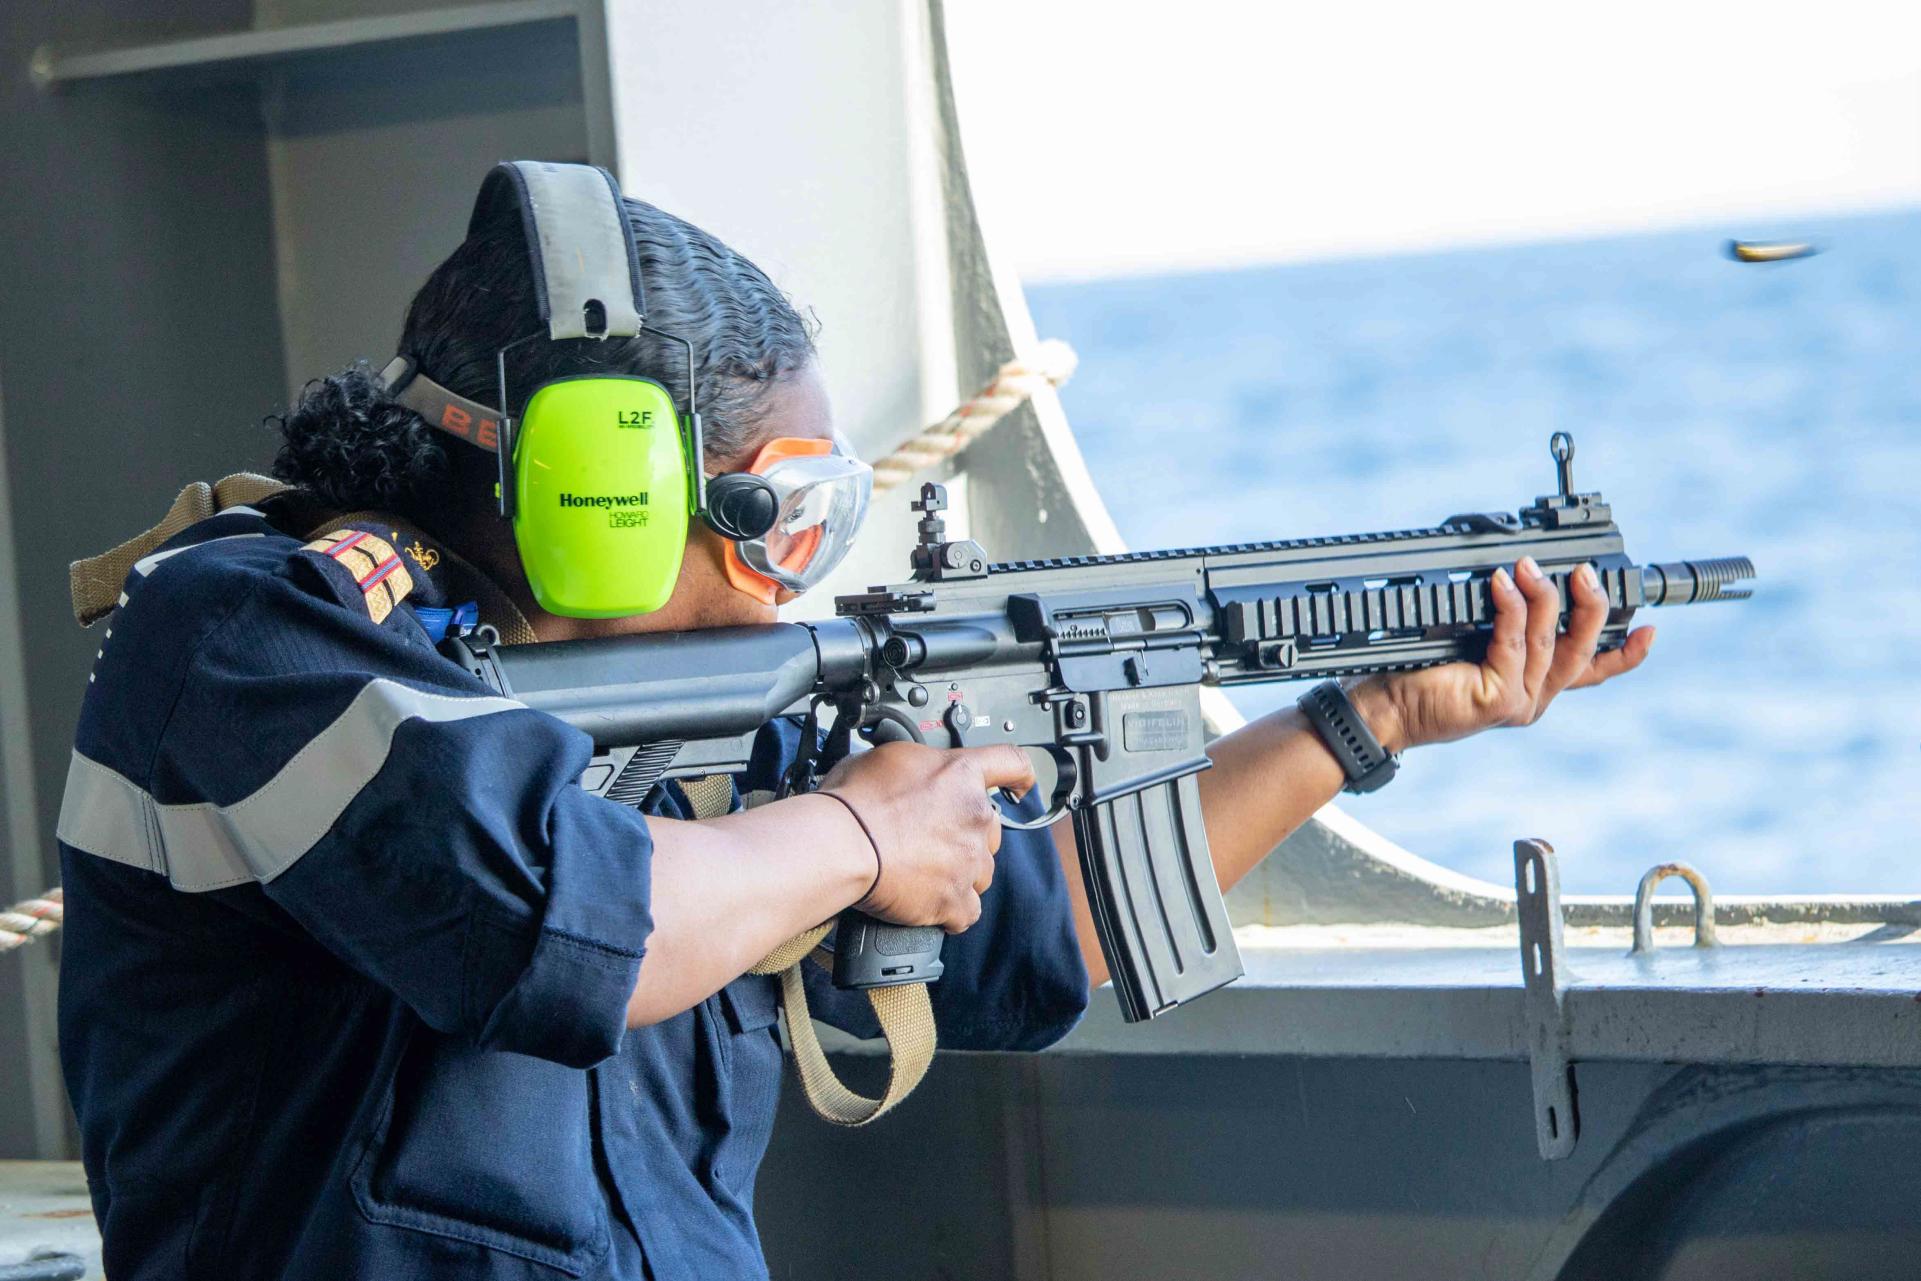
(905, 1013)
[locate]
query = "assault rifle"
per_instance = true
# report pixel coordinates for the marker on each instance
(1094, 661)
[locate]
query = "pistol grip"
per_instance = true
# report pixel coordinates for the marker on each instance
(871, 953)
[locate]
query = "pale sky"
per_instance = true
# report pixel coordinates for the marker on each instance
(1121, 137)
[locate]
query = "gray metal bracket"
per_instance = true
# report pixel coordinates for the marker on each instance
(1537, 887)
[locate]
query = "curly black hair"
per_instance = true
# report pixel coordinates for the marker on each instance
(352, 448)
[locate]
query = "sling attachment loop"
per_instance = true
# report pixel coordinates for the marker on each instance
(95, 582)
(804, 774)
(905, 1013)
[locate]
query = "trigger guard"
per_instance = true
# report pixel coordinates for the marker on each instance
(1066, 782)
(1055, 814)
(881, 715)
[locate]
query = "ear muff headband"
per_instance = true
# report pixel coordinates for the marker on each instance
(473, 422)
(585, 263)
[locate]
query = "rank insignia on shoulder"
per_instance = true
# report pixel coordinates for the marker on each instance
(383, 577)
(425, 557)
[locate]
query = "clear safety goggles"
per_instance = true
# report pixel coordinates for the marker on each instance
(822, 490)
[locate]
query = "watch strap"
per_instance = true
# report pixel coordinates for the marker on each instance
(1329, 710)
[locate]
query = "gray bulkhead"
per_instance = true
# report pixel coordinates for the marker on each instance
(207, 205)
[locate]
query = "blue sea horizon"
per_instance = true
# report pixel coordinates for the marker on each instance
(1723, 409)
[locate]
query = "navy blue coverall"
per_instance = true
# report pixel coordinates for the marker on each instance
(348, 953)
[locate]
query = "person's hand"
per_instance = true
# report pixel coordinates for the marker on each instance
(936, 832)
(1526, 665)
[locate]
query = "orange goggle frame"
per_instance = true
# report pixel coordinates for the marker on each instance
(822, 489)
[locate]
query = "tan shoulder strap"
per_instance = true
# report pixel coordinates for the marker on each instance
(96, 581)
(905, 1013)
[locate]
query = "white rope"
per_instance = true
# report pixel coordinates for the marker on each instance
(1049, 365)
(35, 918)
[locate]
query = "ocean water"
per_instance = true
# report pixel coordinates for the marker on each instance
(1722, 408)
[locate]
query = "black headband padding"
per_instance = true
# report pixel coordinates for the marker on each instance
(578, 241)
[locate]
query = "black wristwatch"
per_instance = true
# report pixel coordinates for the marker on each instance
(1329, 710)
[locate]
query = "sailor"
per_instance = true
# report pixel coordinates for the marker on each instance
(359, 983)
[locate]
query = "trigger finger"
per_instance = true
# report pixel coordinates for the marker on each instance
(1004, 765)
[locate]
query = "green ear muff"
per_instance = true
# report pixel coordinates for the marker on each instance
(602, 495)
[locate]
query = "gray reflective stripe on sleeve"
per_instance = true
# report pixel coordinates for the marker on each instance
(208, 847)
